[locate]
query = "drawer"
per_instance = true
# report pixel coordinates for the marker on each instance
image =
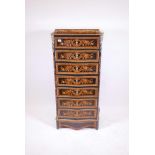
(74, 68)
(77, 124)
(79, 81)
(74, 113)
(76, 42)
(76, 103)
(77, 55)
(77, 92)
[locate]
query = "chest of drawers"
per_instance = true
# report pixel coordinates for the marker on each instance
(77, 55)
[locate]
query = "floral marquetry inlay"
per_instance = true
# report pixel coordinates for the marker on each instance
(91, 113)
(77, 92)
(90, 68)
(75, 55)
(80, 42)
(67, 42)
(77, 103)
(77, 81)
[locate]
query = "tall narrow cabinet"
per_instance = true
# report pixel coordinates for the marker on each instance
(77, 54)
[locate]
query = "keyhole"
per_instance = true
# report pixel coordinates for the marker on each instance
(77, 68)
(76, 55)
(76, 92)
(76, 80)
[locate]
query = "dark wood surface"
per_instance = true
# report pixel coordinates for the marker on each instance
(77, 55)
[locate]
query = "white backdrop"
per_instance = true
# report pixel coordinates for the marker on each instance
(42, 137)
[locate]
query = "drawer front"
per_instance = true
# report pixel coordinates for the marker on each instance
(77, 55)
(77, 92)
(72, 113)
(77, 42)
(77, 124)
(77, 103)
(79, 81)
(72, 68)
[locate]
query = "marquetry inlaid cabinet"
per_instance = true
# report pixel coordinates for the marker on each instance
(77, 55)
